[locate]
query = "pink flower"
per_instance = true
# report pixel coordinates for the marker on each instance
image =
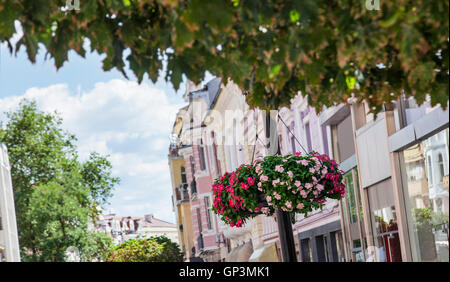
(279, 168)
(297, 154)
(300, 206)
(244, 186)
(277, 196)
(251, 181)
(290, 174)
(312, 170)
(275, 182)
(303, 193)
(258, 169)
(297, 183)
(265, 210)
(288, 204)
(319, 187)
(264, 178)
(304, 162)
(268, 198)
(308, 185)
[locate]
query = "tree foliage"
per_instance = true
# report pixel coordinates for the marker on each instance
(153, 249)
(329, 50)
(56, 196)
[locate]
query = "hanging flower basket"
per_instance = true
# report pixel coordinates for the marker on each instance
(236, 197)
(293, 183)
(299, 183)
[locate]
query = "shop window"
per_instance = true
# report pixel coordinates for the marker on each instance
(339, 245)
(350, 197)
(322, 248)
(427, 200)
(305, 250)
(384, 224)
(357, 251)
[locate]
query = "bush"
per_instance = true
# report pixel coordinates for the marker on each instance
(153, 249)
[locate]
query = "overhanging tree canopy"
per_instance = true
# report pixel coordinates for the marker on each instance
(271, 48)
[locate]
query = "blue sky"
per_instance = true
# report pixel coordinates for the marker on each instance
(110, 115)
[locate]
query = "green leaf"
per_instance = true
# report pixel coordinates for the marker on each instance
(294, 16)
(351, 82)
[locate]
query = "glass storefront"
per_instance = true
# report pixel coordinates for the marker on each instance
(353, 217)
(384, 224)
(427, 197)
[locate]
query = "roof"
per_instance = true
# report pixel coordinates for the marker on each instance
(155, 222)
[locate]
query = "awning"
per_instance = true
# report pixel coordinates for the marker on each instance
(267, 253)
(240, 253)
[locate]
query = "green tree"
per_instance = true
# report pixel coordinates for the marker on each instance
(56, 196)
(153, 249)
(328, 49)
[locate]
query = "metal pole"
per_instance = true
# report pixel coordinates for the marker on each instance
(283, 218)
(286, 236)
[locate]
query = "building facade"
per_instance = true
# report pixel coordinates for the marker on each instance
(396, 170)
(199, 172)
(180, 193)
(9, 242)
(123, 228)
(396, 165)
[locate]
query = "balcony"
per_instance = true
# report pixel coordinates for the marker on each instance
(182, 193)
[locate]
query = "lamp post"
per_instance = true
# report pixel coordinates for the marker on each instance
(283, 218)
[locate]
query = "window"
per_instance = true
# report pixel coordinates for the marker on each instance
(305, 250)
(427, 200)
(440, 168)
(350, 197)
(293, 144)
(308, 137)
(430, 171)
(322, 248)
(339, 245)
(202, 156)
(191, 160)
(199, 220)
(215, 156)
(183, 175)
(384, 223)
(209, 212)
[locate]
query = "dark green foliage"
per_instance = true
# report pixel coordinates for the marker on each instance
(153, 249)
(55, 194)
(271, 48)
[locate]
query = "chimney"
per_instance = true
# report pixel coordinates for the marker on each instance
(148, 217)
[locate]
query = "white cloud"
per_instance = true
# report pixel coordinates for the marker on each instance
(128, 121)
